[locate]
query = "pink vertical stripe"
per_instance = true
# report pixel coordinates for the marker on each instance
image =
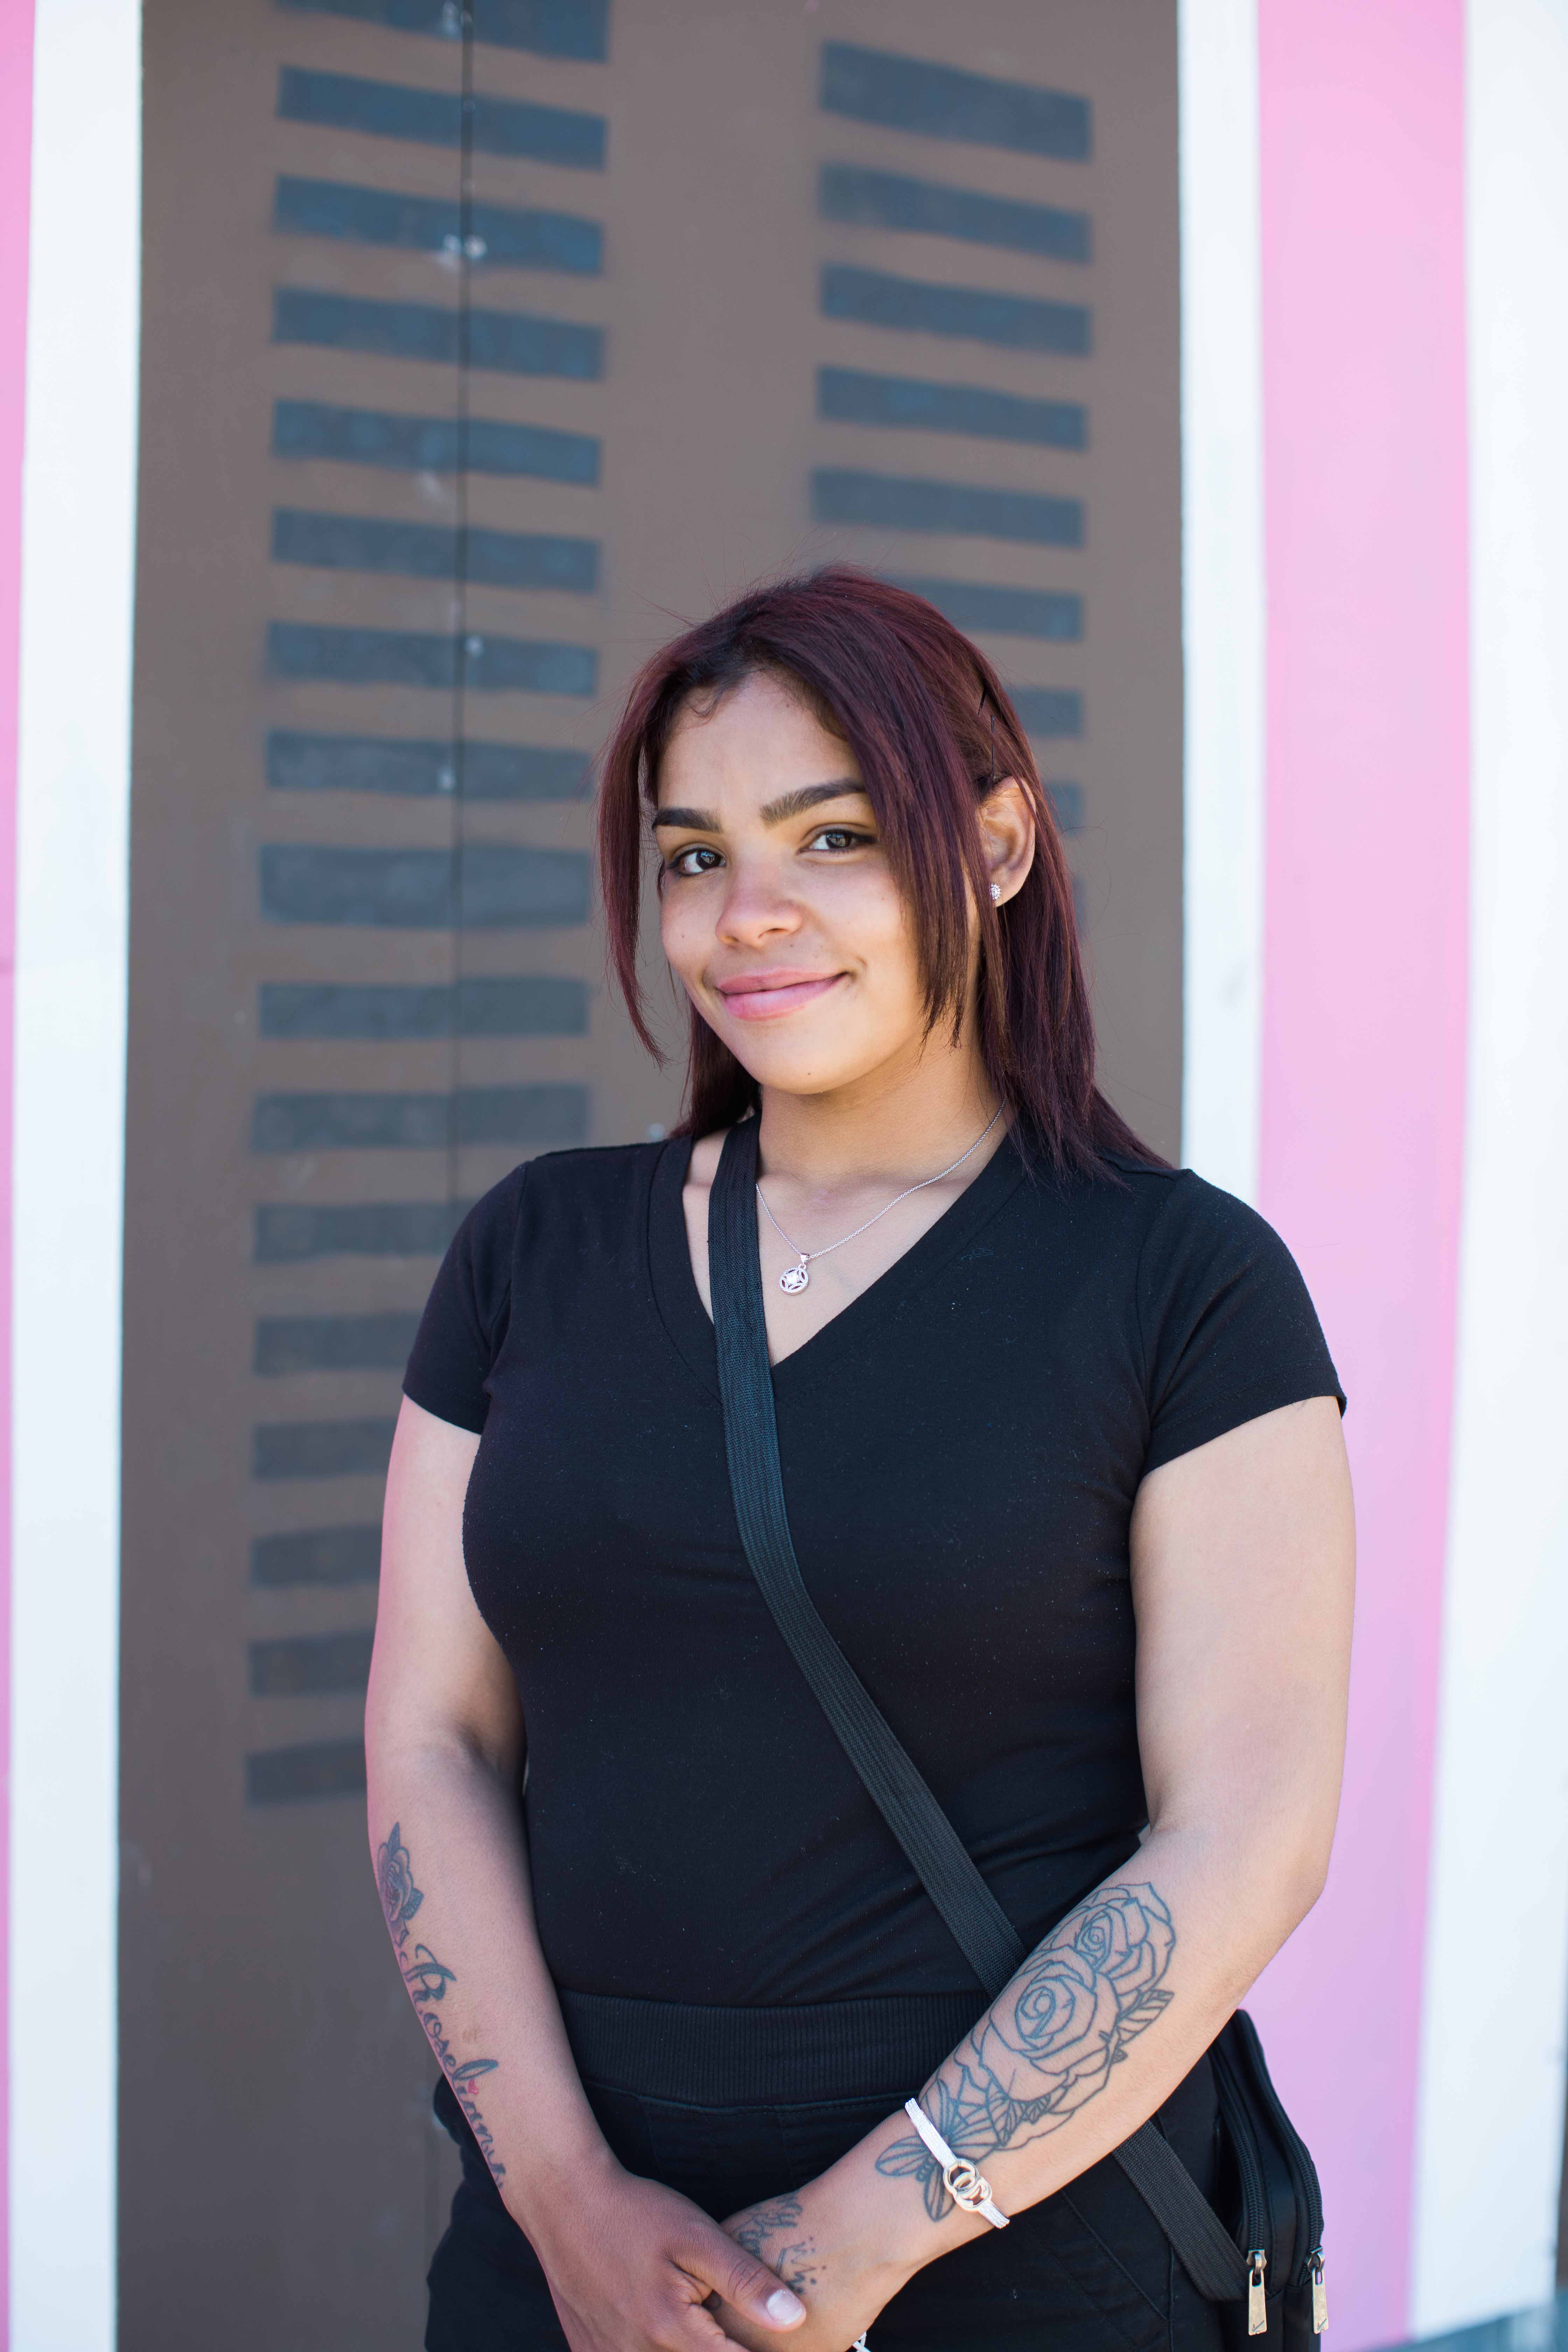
(16, 180)
(1361, 114)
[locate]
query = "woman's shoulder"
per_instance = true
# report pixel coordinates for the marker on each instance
(1174, 1211)
(592, 1176)
(1226, 1324)
(540, 1207)
(545, 1220)
(1184, 1254)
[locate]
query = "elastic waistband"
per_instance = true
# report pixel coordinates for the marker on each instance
(883, 2047)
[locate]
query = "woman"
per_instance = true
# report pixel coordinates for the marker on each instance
(1062, 1461)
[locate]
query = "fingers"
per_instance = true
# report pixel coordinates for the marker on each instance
(717, 2266)
(705, 2332)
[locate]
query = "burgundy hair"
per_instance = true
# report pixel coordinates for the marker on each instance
(930, 725)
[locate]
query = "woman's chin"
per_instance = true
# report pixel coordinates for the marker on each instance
(794, 1072)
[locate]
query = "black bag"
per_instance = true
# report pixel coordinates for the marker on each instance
(1263, 2265)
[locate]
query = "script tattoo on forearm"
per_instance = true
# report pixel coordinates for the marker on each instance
(773, 2234)
(427, 1978)
(1049, 2042)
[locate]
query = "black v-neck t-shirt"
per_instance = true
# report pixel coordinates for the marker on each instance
(962, 1446)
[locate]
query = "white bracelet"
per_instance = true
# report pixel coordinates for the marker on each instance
(965, 2184)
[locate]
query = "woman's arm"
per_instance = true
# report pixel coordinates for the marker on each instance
(1242, 1571)
(630, 2264)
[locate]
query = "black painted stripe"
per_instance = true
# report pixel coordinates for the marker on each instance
(850, 396)
(488, 886)
(542, 1006)
(432, 444)
(1000, 611)
(423, 550)
(317, 1556)
(289, 1233)
(551, 1114)
(319, 1449)
(1014, 322)
(507, 342)
(309, 1666)
(944, 102)
(899, 502)
(1048, 710)
(549, 28)
(1067, 800)
(292, 1776)
(333, 1343)
(848, 192)
(303, 650)
(380, 763)
(395, 109)
(505, 236)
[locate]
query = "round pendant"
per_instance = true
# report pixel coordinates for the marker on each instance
(794, 1277)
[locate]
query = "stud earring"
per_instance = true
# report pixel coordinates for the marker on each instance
(996, 893)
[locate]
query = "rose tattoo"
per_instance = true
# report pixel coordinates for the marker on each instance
(400, 1898)
(1050, 2038)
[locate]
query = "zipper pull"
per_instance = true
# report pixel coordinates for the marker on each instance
(1319, 2292)
(1257, 2308)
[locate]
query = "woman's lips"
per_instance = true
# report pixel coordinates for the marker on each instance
(770, 999)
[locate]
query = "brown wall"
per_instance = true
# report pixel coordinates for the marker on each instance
(280, 2179)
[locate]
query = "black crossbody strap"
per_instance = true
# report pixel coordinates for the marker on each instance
(937, 1854)
(979, 1926)
(1205, 2247)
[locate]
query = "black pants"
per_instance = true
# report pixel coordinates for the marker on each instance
(1088, 2270)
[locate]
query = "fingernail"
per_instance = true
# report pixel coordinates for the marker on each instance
(784, 2307)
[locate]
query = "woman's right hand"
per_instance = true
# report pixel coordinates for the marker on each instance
(630, 2265)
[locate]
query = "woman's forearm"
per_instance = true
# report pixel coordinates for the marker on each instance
(1099, 2024)
(452, 1870)
(1093, 2034)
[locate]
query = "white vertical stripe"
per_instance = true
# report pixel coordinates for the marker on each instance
(78, 534)
(1223, 591)
(1491, 2130)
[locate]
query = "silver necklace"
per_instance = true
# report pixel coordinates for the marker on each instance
(795, 1277)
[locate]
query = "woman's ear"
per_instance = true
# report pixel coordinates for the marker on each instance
(1007, 830)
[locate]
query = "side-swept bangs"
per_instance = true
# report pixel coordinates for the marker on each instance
(931, 726)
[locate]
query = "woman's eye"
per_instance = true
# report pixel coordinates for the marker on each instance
(837, 839)
(697, 860)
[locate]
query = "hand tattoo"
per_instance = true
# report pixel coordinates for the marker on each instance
(426, 1979)
(1049, 2042)
(794, 2258)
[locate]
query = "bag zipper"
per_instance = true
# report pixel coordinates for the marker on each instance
(1256, 2293)
(1320, 2293)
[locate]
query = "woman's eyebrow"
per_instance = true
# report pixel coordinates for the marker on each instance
(692, 820)
(779, 812)
(795, 803)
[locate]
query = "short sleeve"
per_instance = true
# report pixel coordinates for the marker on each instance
(1228, 1329)
(466, 1316)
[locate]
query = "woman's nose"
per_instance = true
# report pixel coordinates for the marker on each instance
(755, 906)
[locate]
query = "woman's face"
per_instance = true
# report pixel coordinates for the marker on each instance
(778, 909)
